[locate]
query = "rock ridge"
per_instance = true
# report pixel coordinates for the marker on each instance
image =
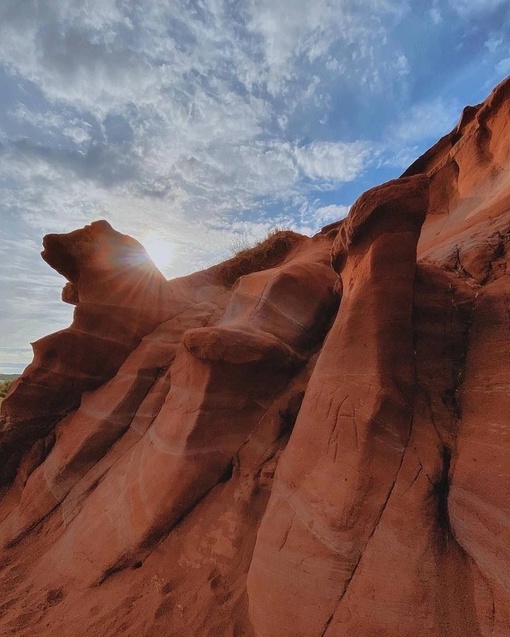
(308, 440)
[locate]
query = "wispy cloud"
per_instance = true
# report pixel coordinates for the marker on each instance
(28, 298)
(333, 161)
(468, 8)
(194, 121)
(425, 121)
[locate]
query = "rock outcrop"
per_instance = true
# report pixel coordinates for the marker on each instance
(309, 440)
(337, 474)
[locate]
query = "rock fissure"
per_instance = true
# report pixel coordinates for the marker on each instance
(372, 532)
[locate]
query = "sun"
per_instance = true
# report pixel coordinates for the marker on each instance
(160, 250)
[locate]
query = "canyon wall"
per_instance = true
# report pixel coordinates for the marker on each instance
(309, 440)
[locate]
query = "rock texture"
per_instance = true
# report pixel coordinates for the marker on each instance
(308, 440)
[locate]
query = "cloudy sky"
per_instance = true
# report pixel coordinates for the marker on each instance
(193, 124)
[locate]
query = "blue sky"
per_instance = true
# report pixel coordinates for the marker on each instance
(190, 124)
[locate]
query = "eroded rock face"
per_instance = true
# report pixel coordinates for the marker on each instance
(237, 453)
(119, 298)
(338, 471)
(223, 380)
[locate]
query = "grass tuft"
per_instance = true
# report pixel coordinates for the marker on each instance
(264, 255)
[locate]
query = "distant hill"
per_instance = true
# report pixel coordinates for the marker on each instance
(9, 376)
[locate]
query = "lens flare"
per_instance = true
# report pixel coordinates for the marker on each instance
(160, 250)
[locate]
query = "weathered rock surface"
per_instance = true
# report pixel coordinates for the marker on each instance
(340, 467)
(309, 440)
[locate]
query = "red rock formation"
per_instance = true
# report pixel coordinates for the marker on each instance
(222, 381)
(118, 296)
(229, 454)
(339, 469)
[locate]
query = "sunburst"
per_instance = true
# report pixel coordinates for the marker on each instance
(160, 250)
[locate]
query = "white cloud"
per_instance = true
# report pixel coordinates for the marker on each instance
(31, 306)
(425, 120)
(101, 55)
(191, 92)
(49, 200)
(503, 66)
(40, 119)
(494, 42)
(329, 214)
(469, 8)
(402, 65)
(196, 119)
(436, 16)
(498, 46)
(176, 119)
(292, 30)
(336, 161)
(76, 134)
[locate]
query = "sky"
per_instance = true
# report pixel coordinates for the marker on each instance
(198, 125)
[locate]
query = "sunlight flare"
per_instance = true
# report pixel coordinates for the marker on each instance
(160, 250)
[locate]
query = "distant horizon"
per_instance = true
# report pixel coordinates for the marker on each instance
(20, 369)
(191, 125)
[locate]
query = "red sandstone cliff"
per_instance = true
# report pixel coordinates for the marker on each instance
(309, 440)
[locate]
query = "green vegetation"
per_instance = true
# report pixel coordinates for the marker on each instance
(6, 380)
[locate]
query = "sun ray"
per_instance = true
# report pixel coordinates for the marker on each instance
(160, 250)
